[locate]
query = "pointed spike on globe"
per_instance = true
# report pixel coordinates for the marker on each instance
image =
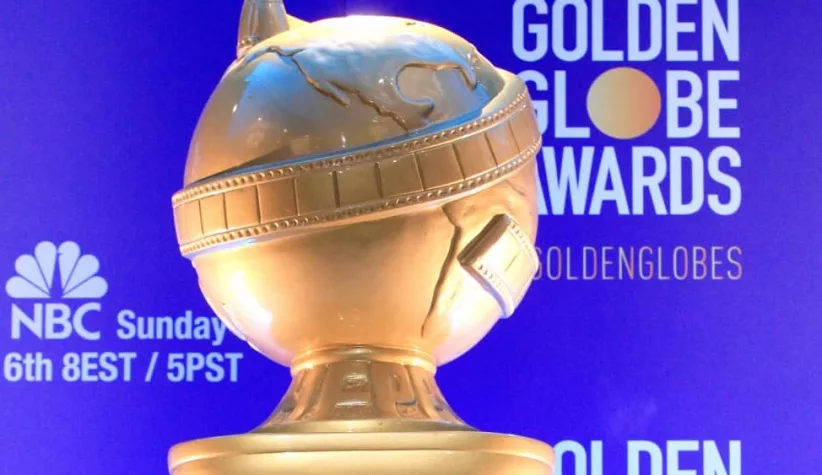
(261, 20)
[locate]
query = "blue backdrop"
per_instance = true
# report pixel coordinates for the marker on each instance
(674, 328)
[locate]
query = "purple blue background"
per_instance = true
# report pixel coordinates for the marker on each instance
(98, 100)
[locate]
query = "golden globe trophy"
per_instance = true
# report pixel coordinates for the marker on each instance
(360, 205)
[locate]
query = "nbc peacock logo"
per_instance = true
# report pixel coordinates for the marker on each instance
(57, 288)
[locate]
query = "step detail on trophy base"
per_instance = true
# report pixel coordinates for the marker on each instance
(414, 453)
(363, 389)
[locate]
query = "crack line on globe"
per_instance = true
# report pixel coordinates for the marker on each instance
(450, 258)
(341, 92)
(516, 190)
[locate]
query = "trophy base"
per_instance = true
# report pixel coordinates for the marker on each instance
(384, 453)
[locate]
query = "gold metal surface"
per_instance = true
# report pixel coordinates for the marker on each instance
(408, 453)
(360, 205)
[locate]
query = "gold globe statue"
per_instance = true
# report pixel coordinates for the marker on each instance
(360, 205)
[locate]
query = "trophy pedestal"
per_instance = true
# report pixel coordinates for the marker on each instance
(363, 411)
(383, 453)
